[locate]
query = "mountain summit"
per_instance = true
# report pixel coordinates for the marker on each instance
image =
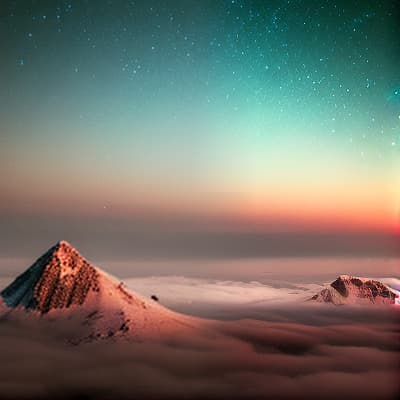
(58, 279)
(348, 289)
(62, 286)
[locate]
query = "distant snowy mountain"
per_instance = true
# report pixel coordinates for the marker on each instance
(355, 290)
(61, 286)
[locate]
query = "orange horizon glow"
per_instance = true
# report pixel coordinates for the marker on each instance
(371, 205)
(240, 217)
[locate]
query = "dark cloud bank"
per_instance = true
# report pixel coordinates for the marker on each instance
(313, 352)
(161, 237)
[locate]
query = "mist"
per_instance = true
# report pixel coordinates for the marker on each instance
(168, 237)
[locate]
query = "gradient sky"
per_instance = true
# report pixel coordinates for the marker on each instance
(263, 117)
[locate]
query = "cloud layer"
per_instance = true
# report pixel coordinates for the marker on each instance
(311, 352)
(229, 300)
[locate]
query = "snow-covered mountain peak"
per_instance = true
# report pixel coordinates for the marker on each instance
(63, 286)
(58, 279)
(61, 243)
(351, 289)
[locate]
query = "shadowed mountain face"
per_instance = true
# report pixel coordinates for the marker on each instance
(58, 279)
(350, 289)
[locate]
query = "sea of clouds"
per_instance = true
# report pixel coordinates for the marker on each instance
(261, 342)
(299, 351)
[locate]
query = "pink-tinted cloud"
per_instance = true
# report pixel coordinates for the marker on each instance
(357, 357)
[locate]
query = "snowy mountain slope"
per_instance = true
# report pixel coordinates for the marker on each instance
(348, 289)
(61, 286)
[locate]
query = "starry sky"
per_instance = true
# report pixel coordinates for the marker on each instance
(237, 117)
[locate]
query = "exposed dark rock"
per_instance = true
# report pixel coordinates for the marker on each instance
(126, 294)
(124, 327)
(340, 286)
(327, 295)
(356, 281)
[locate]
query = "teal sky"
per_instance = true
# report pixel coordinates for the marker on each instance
(250, 115)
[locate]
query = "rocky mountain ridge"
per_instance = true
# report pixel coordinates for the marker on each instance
(348, 289)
